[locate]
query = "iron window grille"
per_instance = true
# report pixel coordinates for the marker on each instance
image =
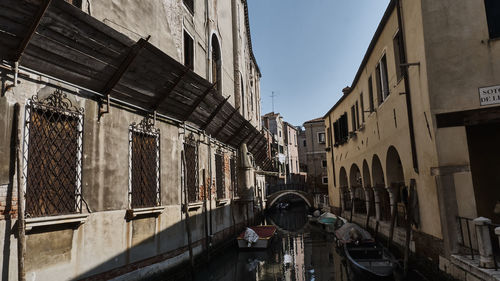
(191, 169)
(53, 137)
(219, 175)
(144, 165)
(234, 183)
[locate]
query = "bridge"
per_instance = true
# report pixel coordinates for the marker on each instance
(278, 191)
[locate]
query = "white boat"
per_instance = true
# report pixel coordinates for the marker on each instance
(259, 239)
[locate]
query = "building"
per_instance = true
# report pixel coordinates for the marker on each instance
(135, 154)
(421, 118)
(312, 148)
(292, 157)
(274, 123)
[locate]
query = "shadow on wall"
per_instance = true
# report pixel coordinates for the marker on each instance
(109, 232)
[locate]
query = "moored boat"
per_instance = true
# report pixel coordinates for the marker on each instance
(366, 259)
(257, 237)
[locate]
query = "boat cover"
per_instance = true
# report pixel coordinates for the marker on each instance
(250, 236)
(351, 232)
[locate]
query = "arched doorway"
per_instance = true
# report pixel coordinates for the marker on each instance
(345, 194)
(357, 191)
(369, 195)
(216, 63)
(382, 202)
(396, 182)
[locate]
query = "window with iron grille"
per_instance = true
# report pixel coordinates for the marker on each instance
(219, 175)
(53, 156)
(191, 170)
(189, 4)
(144, 146)
(234, 183)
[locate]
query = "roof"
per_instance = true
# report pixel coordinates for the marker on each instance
(319, 119)
(59, 40)
(376, 36)
(249, 37)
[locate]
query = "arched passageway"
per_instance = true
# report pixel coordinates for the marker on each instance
(345, 194)
(396, 182)
(369, 195)
(357, 192)
(382, 201)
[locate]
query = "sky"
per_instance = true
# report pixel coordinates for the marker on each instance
(309, 50)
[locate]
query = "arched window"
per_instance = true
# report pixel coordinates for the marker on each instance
(216, 63)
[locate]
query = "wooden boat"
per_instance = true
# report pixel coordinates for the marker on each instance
(369, 261)
(265, 233)
(366, 260)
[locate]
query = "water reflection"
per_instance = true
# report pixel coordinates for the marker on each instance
(299, 252)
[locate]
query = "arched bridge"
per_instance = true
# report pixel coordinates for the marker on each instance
(277, 192)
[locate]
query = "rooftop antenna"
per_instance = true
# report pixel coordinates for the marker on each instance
(273, 95)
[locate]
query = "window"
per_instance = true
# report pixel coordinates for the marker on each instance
(188, 51)
(353, 118)
(216, 64)
(324, 163)
(219, 175)
(53, 141)
(398, 54)
(191, 170)
(281, 149)
(341, 131)
(370, 94)
(324, 180)
(234, 183)
(76, 3)
(362, 108)
(189, 4)
(304, 143)
(321, 137)
(493, 17)
(144, 162)
(357, 115)
(382, 82)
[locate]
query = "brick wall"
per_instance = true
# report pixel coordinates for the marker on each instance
(8, 202)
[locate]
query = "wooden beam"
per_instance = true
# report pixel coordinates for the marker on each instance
(163, 98)
(250, 131)
(132, 54)
(226, 121)
(214, 113)
(253, 140)
(199, 100)
(32, 30)
(245, 123)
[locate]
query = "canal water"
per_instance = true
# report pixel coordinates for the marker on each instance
(300, 252)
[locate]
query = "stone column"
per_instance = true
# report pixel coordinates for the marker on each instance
(393, 197)
(376, 193)
(246, 189)
(367, 200)
(497, 233)
(484, 242)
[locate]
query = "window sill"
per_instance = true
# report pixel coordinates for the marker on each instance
(222, 202)
(194, 206)
(56, 220)
(132, 213)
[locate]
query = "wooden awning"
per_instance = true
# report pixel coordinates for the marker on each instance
(59, 40)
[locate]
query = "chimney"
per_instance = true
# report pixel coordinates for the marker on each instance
(346, 90)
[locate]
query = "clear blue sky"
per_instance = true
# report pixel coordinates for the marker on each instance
(309, 50)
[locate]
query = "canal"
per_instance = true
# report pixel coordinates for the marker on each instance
(300, 252)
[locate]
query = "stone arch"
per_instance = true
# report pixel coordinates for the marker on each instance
(300, 194)
(357, 192)
(382, 200)
(369, 195)
(345, 195)
(395, 181)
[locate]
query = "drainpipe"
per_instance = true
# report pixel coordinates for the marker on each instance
(21, 240)
(404, 72)
(236, 57)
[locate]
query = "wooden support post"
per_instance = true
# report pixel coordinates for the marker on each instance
(132, 54)
(225, 122)
(214, 113)
(186, 211)
(163, 98)
(36, 22)
(21, 239)
(197, 102)
(245, 123)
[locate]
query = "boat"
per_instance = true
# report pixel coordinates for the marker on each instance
(366, 259)
(256, 237)
(328, 221)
